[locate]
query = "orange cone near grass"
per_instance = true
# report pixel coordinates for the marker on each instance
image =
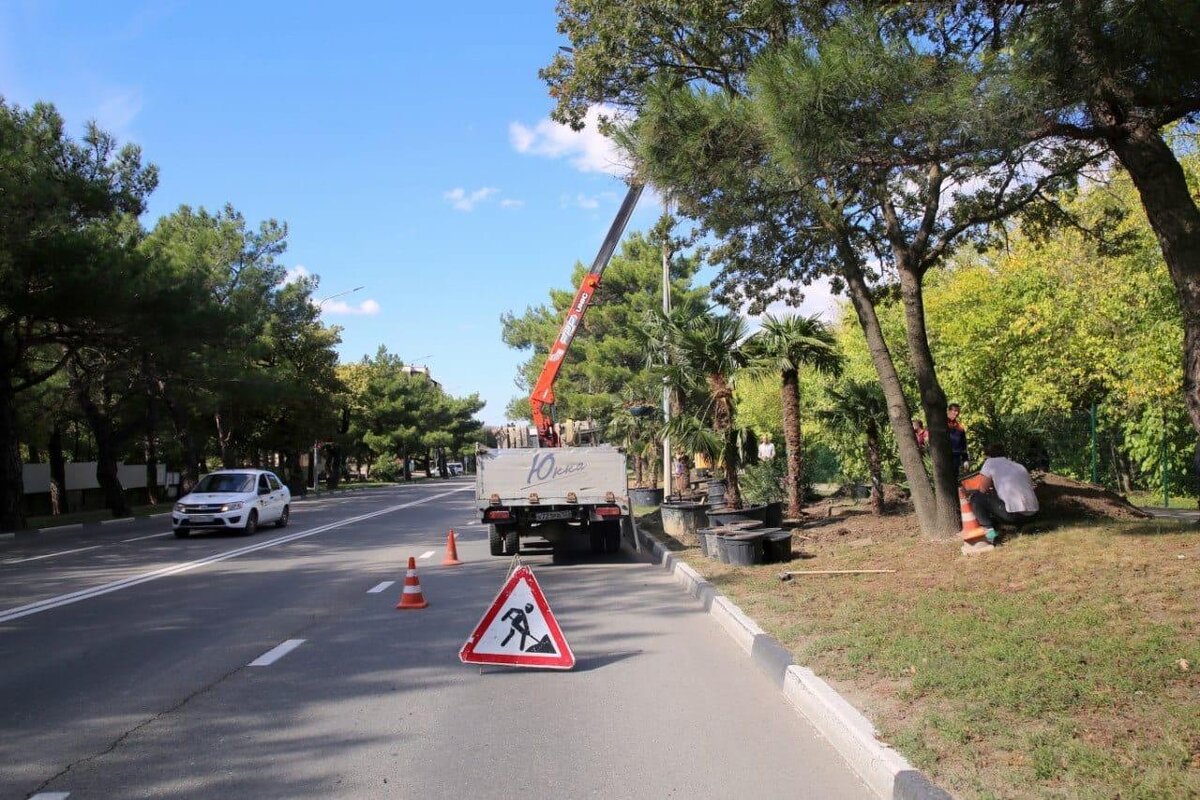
(411, 598)
(972, 531)
(451, 558)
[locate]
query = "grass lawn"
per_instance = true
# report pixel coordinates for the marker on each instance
(1060, 665)
(1155, 500)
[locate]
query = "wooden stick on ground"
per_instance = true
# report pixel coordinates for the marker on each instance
(787, 576)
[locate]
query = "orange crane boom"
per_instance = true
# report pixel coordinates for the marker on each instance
(541, 399)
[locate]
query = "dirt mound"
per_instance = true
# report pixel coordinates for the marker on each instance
(1066, 499)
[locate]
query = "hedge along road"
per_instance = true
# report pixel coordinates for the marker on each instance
(150, 690)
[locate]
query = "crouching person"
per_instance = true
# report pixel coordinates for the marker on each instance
(1005, 493)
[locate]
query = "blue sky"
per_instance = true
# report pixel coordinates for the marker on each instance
(407, 146)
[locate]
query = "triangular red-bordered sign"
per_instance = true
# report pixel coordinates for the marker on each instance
(518, 629)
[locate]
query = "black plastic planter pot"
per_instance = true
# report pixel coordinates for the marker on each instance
(646, 497)
(702, 538)
(723, 516)
(777, 547)
(682, 518)
(774, 517)
(716, 492)
(722, 543)
(745, 549)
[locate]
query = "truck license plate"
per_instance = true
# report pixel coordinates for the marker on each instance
(543, 516)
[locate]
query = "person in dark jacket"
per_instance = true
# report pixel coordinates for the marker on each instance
(958, 436)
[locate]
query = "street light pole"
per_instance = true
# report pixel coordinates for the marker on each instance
(316, 450)
(339, 294)
(666, 391)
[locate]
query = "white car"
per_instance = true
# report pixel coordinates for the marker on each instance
(237, 499)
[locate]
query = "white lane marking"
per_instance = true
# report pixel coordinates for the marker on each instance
(379, 587)
(426, 554)
(275, 653)
(150, 536)
(51, 796)
(48, 555)
(136, 580)
(159, 514)
(118, 519)
(61, 527)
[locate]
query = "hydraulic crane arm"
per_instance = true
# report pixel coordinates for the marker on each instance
(541, 400)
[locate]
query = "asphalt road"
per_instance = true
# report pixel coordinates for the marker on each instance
(125, 671)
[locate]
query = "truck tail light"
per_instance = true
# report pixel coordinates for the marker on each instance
(496, 515)
(608, 511)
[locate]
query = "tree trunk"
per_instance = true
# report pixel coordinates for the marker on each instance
(151, 454)
(1175, 218)
(639, 467)
(723, 424)
(933, 403)
(793, 440)
(106, 455)
(333, 467)
(407, 468)
(899, 415)
(58, 469)
(12, 475)
(228, 458)
(875, 466)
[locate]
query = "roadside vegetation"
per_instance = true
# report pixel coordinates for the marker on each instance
(186, 343)
(1063, 665)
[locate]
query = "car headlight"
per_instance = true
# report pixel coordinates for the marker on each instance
(179, 507)
(231, 506)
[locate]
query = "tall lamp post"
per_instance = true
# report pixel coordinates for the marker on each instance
(666, 391)
(316, 476)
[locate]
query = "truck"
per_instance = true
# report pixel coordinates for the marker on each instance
(575, 498)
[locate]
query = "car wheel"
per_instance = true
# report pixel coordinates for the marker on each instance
(596, 538)
(251, 523)
(612, 537)
(495, 541)
(512, 541)
(283, 518)
(181, 533)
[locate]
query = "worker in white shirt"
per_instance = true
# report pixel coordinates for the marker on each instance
(1005, 492)
(766, 449)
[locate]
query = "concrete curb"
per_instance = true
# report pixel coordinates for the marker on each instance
(884, 770)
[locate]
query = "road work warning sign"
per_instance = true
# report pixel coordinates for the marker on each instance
(519, 629)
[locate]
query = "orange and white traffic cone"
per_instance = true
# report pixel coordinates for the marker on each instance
(451, 558)
(973, 534)
(411, 598)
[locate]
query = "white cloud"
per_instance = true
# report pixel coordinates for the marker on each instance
(819, 300)
(367, 308)
(587, 150)
(465, 200)
(293, 274)
(117, 108)
(508, 202)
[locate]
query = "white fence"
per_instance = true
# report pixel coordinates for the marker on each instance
(82, 475)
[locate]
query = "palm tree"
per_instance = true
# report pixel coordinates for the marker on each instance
(783, 346)
(859, 408)
(706, 353)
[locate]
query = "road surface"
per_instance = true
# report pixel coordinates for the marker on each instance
(134, 664)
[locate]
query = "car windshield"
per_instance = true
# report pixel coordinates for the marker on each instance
(225, 482)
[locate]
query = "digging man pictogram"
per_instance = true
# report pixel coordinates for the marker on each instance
(520, 624)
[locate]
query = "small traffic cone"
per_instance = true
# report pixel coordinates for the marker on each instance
(412, 597)
(451, 558)
(972, 531)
